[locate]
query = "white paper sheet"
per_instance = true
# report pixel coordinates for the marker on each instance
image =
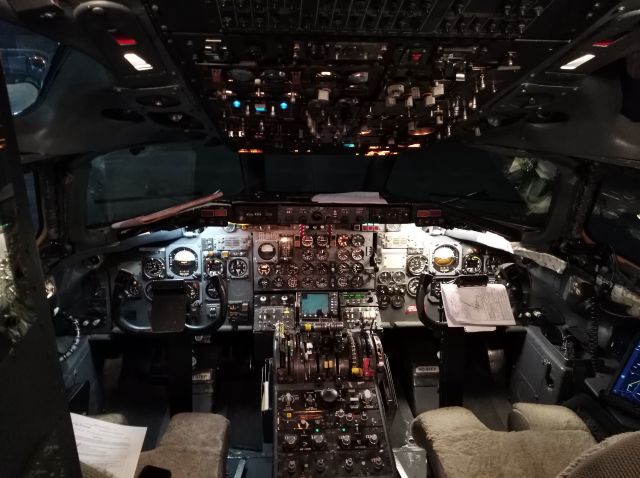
(108, 446)
(477, 306)
(355, 197)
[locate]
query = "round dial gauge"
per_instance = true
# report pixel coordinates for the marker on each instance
(412, 286)
(416, 265)
(211, 291)
(322, 255)
(383, 301)
(278, 282)
(307, 269)
(399, 277)
(397, 301)
(357, 254)
(307, 255)
(183, 262)
(193, 291)
(307, 241)
(214, 266)
(493, 263)
(357, 268)
(322, 269)
(383, 290)
(357, 282)
(263, 283)
(238, 267)
(148, 291)
(384, 277)
(292, 282)
(279, 268)
(343, 240)
(307, 282)
(322, 282)
(472, 264)
(264, 269)
(344, 268)
(292, 269)
(267, 251)
(343, 255)
(445, 259)
(343, 281)
(357, 240)
(322, 240)
(153, 268)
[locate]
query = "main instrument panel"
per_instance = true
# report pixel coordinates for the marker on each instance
(265, 268)
(375, 75)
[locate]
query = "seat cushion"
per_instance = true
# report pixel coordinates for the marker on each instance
(194, 445)
(536, 416)
(466, 448)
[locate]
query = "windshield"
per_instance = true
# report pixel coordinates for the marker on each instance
(26, 59)
(137, 181)
(127, 183)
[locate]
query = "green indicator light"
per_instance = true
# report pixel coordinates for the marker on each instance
(343, 430)
(317, 430)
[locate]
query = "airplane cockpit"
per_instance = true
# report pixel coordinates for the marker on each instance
(319, 238)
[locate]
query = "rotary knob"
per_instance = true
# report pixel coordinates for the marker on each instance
(345, 441)
(289, 442)
(372, 440)
(329, 396)
(318, 441)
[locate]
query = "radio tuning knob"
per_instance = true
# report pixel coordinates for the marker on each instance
(290, 442)
(329, 396)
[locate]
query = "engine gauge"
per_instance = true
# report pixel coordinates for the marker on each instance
(263, 283)
(264, 269)
(357, 268)
(322, 240)
(278, 282)
(445, 259)
(308, 255)
(357, 254)
(238, 268)
(322, 254)
(397, 301)
(383, 301)
(267, 251)
(412, 286)
(344, 254)
(322, 269)
(292, 282)
(343, 281)
(213, 266)
(343, 240)
(292, 269)
(384, 277)
(344, 268)
(153, 268)
(472, 264)
(307, 269)
(183, 262)
(278, 268)
(307, 282)
(212, 292)
(357, 282)
(399, 277)
(307, 241)
(357, 240)
(322, 282)
(193, 291)
(492, 264)
(416, 265)
(383, 290)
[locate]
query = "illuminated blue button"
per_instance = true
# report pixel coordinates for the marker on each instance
(236, 103)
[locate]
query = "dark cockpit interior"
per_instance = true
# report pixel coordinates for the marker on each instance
(319, 238)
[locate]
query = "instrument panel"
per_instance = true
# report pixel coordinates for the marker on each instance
(267, 262)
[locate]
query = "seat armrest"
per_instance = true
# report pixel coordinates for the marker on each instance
(535, 416)
(443, 421)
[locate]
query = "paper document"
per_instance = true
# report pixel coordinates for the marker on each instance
(355, 197)
(485, 306)
(108, 446)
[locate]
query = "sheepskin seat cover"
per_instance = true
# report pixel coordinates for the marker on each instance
(460, 446)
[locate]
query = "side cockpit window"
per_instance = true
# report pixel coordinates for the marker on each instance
(26, 59)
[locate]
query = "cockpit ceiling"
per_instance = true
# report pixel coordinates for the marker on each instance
(300, 75)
